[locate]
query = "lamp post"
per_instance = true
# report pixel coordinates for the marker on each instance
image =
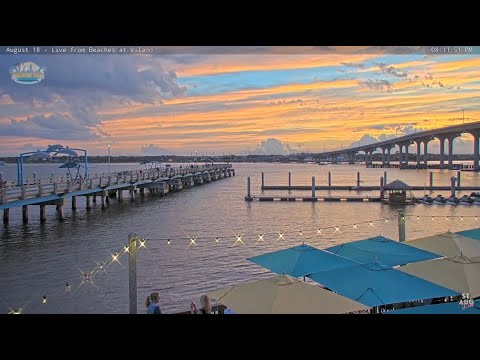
(463, 112)
(109, 146)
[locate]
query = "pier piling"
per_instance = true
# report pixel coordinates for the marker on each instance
(329, 179)
(358, 178)
(74, 203)
(43, 215)
(453, 180)
(263, 179)
(25, 213)
(313, 187)
(458, 178)
(382, 183)
(6, 216)
(431, 180)
(61, 215)
(248, 187)
(401, 225)
(289, 178)
(384, 178)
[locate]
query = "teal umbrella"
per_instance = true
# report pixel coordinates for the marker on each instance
(300, 261)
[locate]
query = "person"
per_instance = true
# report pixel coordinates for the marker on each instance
(152, 303)
(206, 306)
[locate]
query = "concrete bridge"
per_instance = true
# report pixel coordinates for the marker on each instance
(54, 191)
(420, 139)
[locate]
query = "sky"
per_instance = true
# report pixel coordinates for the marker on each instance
(231, 101)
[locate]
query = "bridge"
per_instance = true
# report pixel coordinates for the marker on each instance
(448, 133)
(54, 191)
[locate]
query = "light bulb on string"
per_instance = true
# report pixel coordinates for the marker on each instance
(67, 287)
(280, 236)
(260, 237)
(126, 249)
(319, 232)
(418, 217)
(142, 243)
(239, 239)
(433, 217)
(447, 218)
(168, 241)
(300, 233)
(44, 299)
(476, 218)
(337, 229)
(192, 241)
(386, 220)
(355, 226)
(15, 311)
(216, 239)
(371, 224)
(461, 218)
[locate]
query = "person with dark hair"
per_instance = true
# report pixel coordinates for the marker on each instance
(152, 303)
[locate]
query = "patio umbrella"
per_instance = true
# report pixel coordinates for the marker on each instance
(381, 249)
(446, 308)
(300, 261)
(473, 233)
(448, 244)
(283, 294)
(459, 273)
(376, 284)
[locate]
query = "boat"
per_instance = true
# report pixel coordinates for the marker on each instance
(3, 163)
(439, 200)
(477, 201)
(427, 200)
(452, 200)
(466, 200)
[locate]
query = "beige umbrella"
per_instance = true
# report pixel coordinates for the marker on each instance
(283, 294)
(448, 244)
(459, 273)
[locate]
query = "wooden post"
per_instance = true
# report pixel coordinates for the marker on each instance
(142, 191)
(94, 198)
(3, 196)
(132, 272)
(263, 180)
(452, 185)
(313, 186)
(25, 213)
(74, 203)
(401, 225)
(120, 195)
(6, 215)
(458, 178)
(358, 178)
(248, 187)
(329, 179)
(431, 180)
(289, 178)
(61, 216)
(384, 178)
(87, 199)
(104, 200)
(381, 187)
(43, 216)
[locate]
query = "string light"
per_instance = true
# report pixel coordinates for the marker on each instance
(418, 217)
(371, 224)
(15, 311)
(239, 239)
(192, 241)
(44, 299)
(115, 257)
(355, 226)
(476, 218)
(126, 249)
(260, 238)
(461, 218)
(447, 218)
(142, 243)
(319, 232)
(280, 236)
(67, 287)
(386, 220)
(433, 217)
(168, 241)
(300, 233)
(337, 229)
(216, 239)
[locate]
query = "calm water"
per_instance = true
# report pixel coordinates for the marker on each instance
(38, 259)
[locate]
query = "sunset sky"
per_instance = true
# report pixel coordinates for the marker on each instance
(268, 100)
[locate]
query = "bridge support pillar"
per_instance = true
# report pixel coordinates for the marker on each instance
(450, 152)
(388, 156)
(6, 216)
(25, 213)
(425, 152)
(476, 152)
(74, 203)
(406, 154)
(418, 153)
(43, 215)
(383, 157)
(442, 152)
(400, 155)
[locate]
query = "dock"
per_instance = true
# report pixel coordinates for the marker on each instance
(365, 188)
(314, 199)
(54, 191)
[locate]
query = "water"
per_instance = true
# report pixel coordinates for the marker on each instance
(38, 259)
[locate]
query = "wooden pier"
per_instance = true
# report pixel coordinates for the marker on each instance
(313, 199)
(54, 191)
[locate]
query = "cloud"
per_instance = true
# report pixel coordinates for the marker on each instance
(366, 139)
(81, 85)
(55, 127)
(386, 69)
(379, 85)
(356, 65)
(153, 150)
(273, 146)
